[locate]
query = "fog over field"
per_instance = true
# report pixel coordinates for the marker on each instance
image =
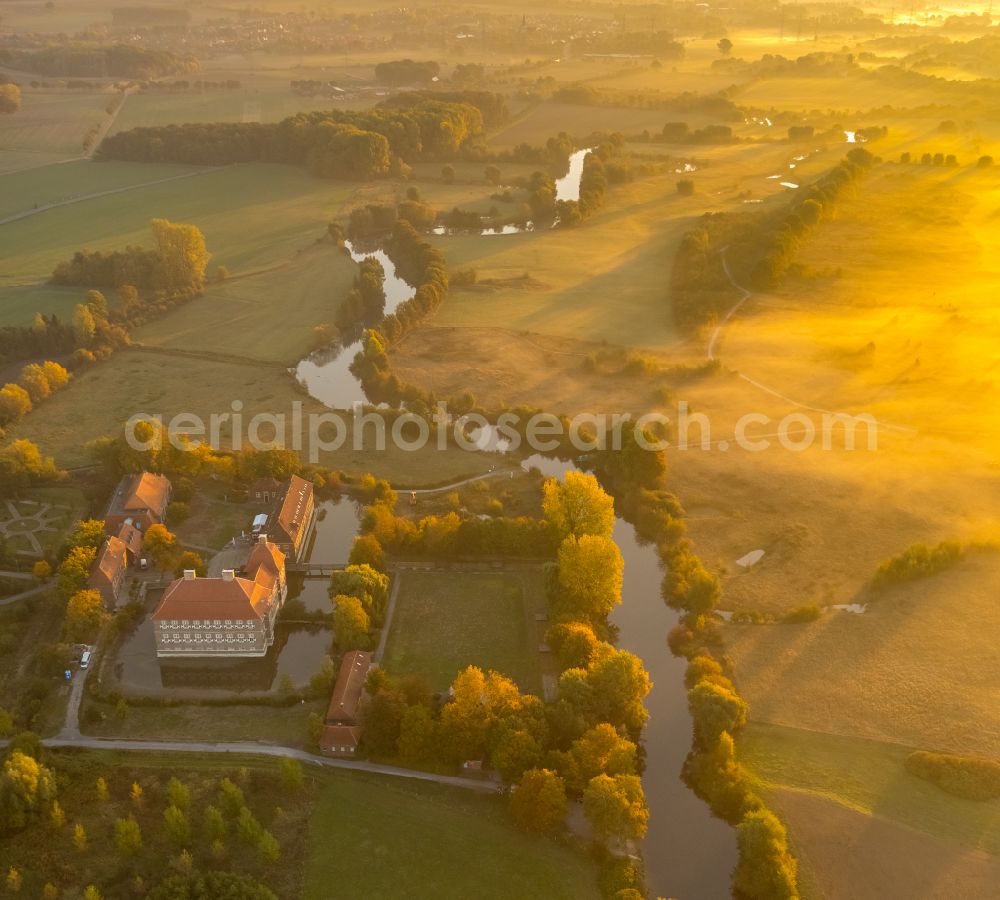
(502, 450)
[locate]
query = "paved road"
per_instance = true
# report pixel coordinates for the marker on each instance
(256, 749)
(71, 725)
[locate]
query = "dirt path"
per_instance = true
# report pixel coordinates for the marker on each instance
(70, 201)
(745, 295)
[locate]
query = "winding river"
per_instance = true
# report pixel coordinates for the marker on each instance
(688, 853)
(326, 373)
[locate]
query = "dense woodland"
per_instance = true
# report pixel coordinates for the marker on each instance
(341, 143)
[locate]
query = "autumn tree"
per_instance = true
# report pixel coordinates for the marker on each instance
(128, 837)
(590, 575)
(766, 870)
(87, 533)
(481, 703)
(366, 550)
(10, 98)
(292, 776)
(538, 803)
(85, 616)
(616, 807)
(578, 506)
(351, 623)
(79, 837)
(601, 750)
(15, 402)
(182, 253)
(362, 581)
(177, 826)
(27, 790)
(74, 571)
(715, 708)
(214, 825)
(160, 544)
(189, 560)
(419, 735)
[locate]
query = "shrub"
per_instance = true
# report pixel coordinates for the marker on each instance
(802, 614)
(970, 777)
(918, 561)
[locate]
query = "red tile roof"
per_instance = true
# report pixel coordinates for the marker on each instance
(294, 507)
(110, 560)
(148, 491)
(198, 599)
(347, 691)
(335, 737)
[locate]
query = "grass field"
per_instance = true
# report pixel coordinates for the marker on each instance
(102, 398)
(75, 180)
(288, 726)
(869, 777)
(445, 622)
(268, 316)
(918, 668)
(369, 837)
(245, 105)
(52, 123)
(863, 827)
(252, 216)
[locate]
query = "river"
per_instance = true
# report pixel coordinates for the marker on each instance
(326, 373)
(688, 852)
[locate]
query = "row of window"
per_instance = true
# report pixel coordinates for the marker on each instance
(217, 638)
(208, 623)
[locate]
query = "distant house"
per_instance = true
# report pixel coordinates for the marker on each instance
(228, 616)
(342, 728)
(292, 518)
(108, 574)
(265, 490)
(139, 500)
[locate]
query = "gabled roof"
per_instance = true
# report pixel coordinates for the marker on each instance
(244, 598)
(265, 557)
(336, 736)
(347, 691)
(111, 559)
(213, 598)
(139, 493)
(131, 537)
(293, 510)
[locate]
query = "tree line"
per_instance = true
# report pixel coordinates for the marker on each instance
(117, 61)
(766, 869)
(339, 143)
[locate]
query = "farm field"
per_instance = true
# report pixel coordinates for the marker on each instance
(447, 621)
(451, 845)
(863, 827)
(252, 216)
(889, 674)
(240, 316)
(73, 181)
(50, 125)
